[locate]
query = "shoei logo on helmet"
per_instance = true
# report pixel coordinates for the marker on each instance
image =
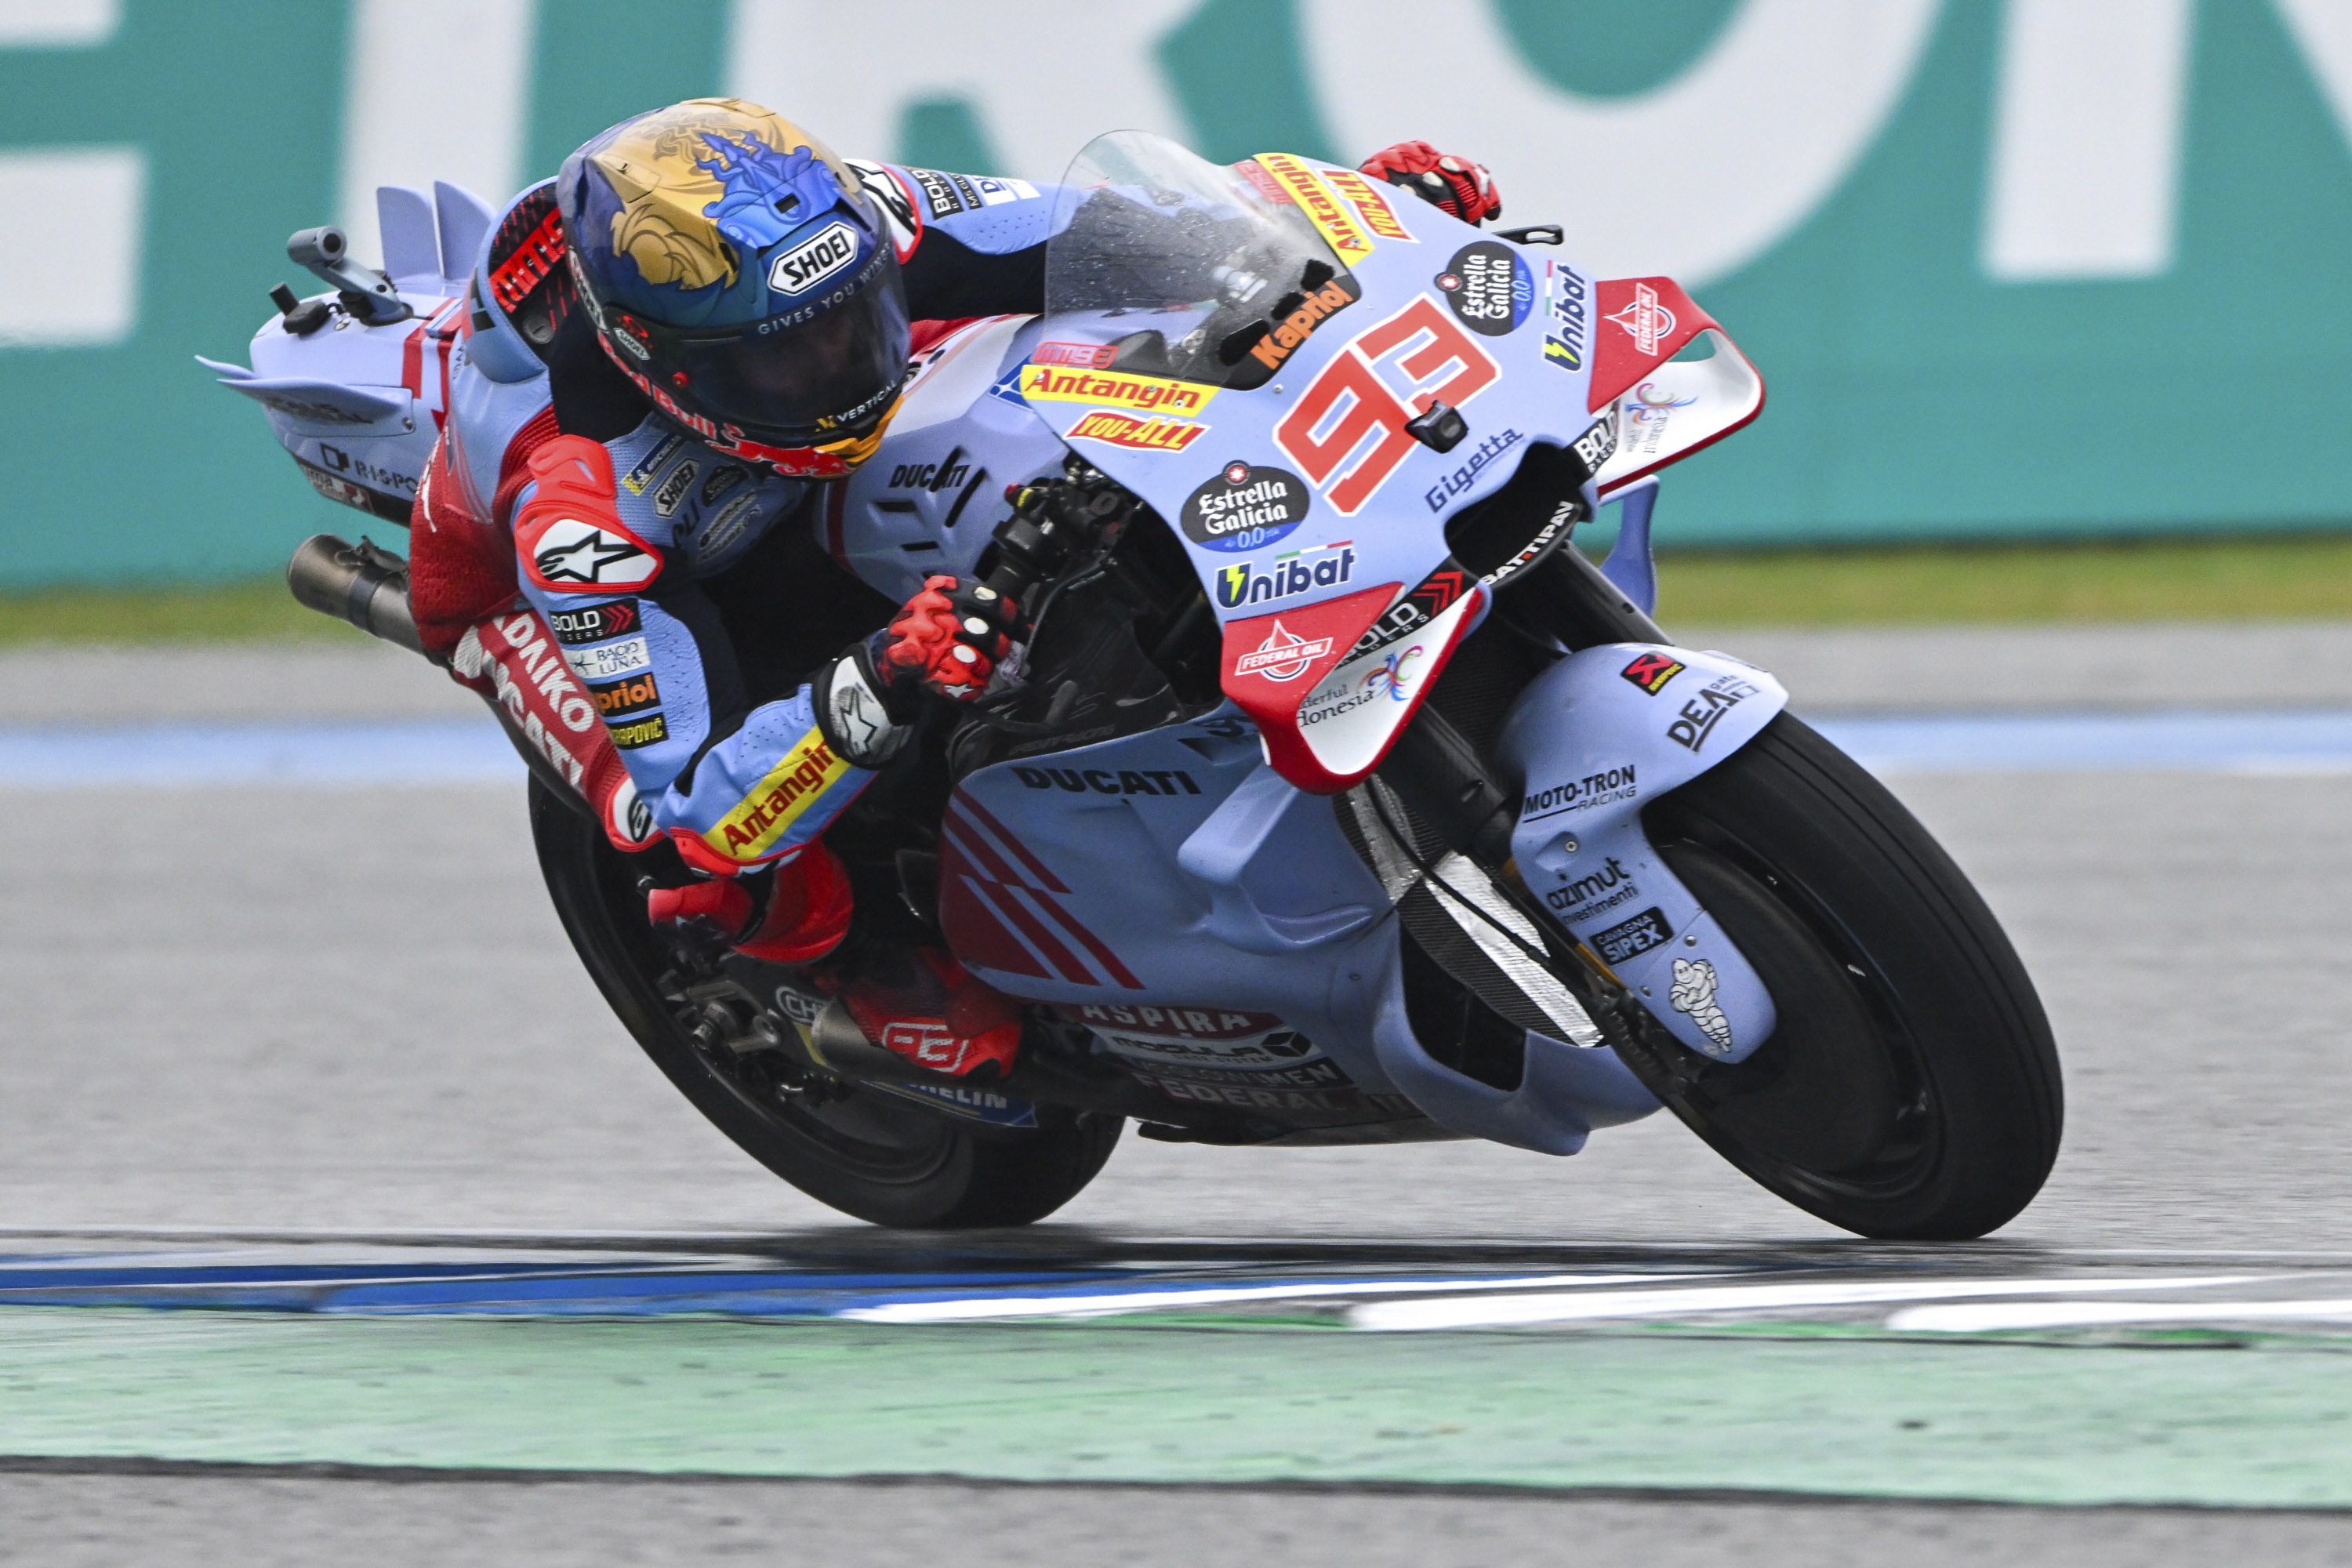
(805, 267)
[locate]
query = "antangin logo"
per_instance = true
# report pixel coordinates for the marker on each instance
(778, 801)
(1145, 393)
(1322, 208)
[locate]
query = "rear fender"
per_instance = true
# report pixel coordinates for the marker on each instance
(1597, 737)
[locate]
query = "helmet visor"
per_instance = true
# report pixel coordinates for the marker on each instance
(798, 382)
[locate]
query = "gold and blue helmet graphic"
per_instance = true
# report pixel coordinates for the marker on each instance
(737, 272)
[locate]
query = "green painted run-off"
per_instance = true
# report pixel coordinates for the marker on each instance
(2266, 1424)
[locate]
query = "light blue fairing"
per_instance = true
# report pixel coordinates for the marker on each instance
(1177, 869)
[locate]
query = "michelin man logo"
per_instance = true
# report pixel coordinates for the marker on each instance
(1694, 996)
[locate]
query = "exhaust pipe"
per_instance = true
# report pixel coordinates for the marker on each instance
(363, 584)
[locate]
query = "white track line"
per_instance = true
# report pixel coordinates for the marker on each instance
(2076, 1314)
(1503, 1311)
(980, 1308)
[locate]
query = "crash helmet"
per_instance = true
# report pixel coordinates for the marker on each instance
(737, 272)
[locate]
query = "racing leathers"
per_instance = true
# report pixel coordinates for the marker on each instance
(690, 594)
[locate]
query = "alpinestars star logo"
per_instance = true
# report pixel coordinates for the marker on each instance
(1284, 656)
(574, 553)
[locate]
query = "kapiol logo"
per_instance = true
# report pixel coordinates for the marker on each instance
(1299, 572)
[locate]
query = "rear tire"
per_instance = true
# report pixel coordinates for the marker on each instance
(1911, 1088)
(870, 1154)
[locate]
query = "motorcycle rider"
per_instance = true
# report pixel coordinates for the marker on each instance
(670, 347)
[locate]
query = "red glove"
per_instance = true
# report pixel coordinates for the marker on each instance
(1456, 185)
(950, 638)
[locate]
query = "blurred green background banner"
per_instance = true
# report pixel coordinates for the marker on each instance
(2010, 267)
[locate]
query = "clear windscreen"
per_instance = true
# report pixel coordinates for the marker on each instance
(1175, 265)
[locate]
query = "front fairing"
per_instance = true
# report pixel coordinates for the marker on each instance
(1315, 521)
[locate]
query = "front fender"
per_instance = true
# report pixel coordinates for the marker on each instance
(1597, 737)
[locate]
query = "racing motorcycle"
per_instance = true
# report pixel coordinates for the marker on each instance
(1333, 794)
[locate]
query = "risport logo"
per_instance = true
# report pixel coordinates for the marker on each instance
(1296, 572)
(1143, 435)
(1347, 430)
(1144, 394)
(1345, 235)
(1651, 671)
(1645, 319)
(1283, 656)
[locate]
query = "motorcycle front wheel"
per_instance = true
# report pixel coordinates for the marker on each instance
(872, 1155)
(1910, 1089)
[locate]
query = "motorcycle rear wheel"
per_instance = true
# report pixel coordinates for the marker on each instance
(1910, 1089)
(872, 1155)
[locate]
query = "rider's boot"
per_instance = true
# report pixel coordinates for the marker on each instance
(796, 912)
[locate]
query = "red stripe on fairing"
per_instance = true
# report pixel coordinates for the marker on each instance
(1004, 835)
(1042, 937)
(1105, 960)
(977, 933)
(412, 362)
(968, 837)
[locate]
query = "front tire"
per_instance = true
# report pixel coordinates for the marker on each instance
(1910, 1089)
(873, 1155)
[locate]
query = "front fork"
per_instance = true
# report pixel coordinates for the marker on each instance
(1553, 813)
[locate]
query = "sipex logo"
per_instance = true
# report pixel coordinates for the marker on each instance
(1651, 671)
(1291, 574)
(1588, 896)
(1488, 288)
(1102, 781)
(1702, 713)
(1645, 319)
(1284, 656)
(1566, 294)
(594, 624)
(1628, 939)
(804, 267)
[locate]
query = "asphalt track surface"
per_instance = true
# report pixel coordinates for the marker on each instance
(245, 1011)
